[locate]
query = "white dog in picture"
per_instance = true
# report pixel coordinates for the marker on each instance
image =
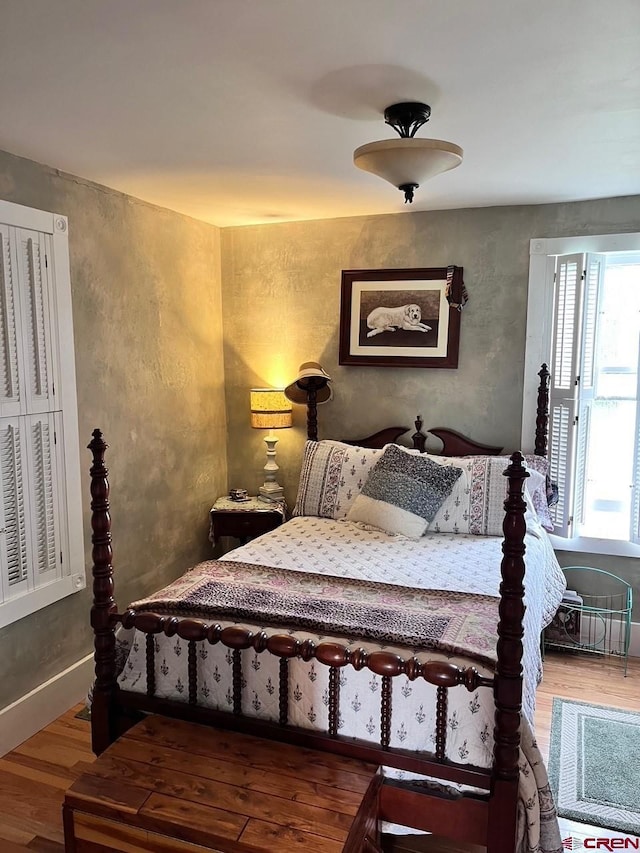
(407, 317)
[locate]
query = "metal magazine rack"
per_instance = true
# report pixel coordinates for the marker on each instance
(593, 621)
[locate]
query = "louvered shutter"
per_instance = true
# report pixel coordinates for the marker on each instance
(563, 391)
(586, 382)
(42, 491)
(41, 543)
(35, 326)
(9, 323)
(14, 543)
(30, 538)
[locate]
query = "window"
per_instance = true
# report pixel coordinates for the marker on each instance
(41, 545)
(584, 321)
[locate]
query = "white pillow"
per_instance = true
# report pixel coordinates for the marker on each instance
(332, 476)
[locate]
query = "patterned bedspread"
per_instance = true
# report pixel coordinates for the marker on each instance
(446, 562)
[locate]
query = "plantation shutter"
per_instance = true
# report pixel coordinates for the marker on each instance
(578, 285)
(35, 328)
(9, 323)
(563, 390)
(14, 546)
(586, 379)
(42, 489)
(30, 537)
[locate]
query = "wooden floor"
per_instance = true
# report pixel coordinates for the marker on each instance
(34, 777)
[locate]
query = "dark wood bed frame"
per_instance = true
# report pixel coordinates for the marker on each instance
(489, 819)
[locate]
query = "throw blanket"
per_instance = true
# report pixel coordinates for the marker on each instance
(452, 622)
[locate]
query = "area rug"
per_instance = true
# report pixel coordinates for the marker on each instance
(594, 764)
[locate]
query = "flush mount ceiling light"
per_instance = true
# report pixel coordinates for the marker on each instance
(407, 162)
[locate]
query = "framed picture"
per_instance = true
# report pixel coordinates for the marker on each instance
(401, 318)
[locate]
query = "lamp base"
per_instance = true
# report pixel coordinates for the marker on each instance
(268, 493)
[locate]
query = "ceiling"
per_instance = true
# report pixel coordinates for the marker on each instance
(248, 111)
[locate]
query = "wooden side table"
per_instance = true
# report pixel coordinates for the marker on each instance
(244, 520)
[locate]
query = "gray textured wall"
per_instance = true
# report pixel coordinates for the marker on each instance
(281, 302)
(148, 339)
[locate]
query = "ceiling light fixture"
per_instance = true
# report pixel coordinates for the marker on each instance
(407, 162)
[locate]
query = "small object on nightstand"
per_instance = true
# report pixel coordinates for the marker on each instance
(244, 519)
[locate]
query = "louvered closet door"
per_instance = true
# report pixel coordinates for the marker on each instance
(35, 327)
(9, 323)
(16, 572)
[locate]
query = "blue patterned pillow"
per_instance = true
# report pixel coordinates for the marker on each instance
(403, 492)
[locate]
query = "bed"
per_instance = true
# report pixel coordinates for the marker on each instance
(422, 700)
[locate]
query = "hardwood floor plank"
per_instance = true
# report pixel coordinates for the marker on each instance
(49, 774)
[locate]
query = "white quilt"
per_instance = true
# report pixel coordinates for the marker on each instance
(324, 546)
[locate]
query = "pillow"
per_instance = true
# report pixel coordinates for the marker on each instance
(539, 495)
(331, 478)
(403, 492)
(476, 504)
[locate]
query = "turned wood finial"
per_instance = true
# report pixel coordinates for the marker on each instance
(542, 412)
(419, 439)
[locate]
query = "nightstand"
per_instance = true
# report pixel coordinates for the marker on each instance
(244, 520)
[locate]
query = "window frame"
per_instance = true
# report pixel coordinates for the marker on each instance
(65, 413)
(539, 331)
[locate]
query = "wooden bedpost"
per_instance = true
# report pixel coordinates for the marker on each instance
(508, 678)
(542, 412)
(104, 607)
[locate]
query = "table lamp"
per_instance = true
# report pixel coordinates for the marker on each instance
(270, 410)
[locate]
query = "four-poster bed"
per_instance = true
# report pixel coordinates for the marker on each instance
(488, 818)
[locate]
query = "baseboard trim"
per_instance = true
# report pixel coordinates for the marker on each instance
(32, 712)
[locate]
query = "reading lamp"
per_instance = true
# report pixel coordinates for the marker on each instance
(270, 410)
(311, 388)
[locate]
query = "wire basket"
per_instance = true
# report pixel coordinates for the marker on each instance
(601, 623)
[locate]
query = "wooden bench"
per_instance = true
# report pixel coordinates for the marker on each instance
(168, 785)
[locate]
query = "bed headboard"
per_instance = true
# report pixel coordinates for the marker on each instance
(453, 443)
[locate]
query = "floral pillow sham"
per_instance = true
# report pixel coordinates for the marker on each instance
(332, 476)
(476, 504)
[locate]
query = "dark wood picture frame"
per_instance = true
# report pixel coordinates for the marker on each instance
(429, 337)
